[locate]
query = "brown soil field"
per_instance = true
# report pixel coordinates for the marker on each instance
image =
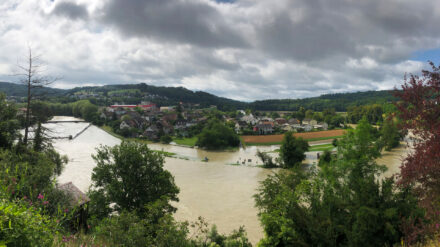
(279, 138)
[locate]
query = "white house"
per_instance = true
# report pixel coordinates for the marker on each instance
(124, 125)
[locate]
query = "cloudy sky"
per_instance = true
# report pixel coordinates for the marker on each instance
(241, 49)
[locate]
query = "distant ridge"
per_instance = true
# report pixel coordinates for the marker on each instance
(339, 101)
(19, 90)
(174, 95)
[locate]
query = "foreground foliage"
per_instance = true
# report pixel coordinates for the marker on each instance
(21, 225)
(8, 123)
(420, 114)
(343, 203)
(128, 177)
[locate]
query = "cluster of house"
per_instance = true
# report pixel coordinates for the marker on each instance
(80, 95)
(151, 121)
(15, 99)
(267, 125)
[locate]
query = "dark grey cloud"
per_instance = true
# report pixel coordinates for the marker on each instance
(310, 30)
(312, 38)
(71, 10)
(190, 22)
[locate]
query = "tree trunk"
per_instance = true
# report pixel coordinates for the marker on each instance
(28, 105)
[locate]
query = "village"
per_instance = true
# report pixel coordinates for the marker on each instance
(147, 120)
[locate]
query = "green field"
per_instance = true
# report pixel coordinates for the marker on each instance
(191, 141)
(109, 130)
(262, 143)
(323, 138)
(279, 143)
(322, 147)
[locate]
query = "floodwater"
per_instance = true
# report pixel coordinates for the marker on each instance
(393, 159)
(218, 190)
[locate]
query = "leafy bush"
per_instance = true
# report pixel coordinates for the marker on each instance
(266, 159)
(22, 226)
(8, 123)
(292, 150)
(129, 176)
(166, 139)
(29, 173)
(216, 136)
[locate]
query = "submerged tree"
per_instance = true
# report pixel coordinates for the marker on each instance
(292, 150)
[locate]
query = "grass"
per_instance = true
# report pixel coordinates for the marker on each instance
(279, 143)
(190, 141)
(262, 143)
(322, 147)
(109, 131)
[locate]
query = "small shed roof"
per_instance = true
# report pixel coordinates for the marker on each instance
(78, 197)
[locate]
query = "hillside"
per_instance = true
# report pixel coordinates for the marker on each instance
(19, 90)
(161, 95)
(134, 93)
(340, 101)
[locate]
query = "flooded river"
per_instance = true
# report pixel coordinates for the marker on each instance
(216, 190)
(219, 192)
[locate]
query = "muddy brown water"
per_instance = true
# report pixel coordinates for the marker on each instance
(218, 191)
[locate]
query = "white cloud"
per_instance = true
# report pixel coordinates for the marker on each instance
(246, 50)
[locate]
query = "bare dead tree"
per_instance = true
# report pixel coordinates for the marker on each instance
(32, 76)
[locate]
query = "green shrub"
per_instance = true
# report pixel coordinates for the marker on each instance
(21, 225)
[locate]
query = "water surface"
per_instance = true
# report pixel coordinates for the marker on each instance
(220, 192)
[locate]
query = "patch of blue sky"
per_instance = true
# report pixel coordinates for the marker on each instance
(427, 55)
(225, 1)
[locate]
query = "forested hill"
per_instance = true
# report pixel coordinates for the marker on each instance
(20, 90)
(163, 95)
(134, 93)
(340, 101)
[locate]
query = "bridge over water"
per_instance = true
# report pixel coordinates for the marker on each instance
(69, 137)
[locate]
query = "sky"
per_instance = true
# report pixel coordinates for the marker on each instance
(241, 49)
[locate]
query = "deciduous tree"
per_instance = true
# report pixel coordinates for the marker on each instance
(292, 150)
(128, 177)
(419, 110)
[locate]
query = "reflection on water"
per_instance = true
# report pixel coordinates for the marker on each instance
(219, 192)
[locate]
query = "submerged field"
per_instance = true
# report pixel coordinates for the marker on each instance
(276, 139)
